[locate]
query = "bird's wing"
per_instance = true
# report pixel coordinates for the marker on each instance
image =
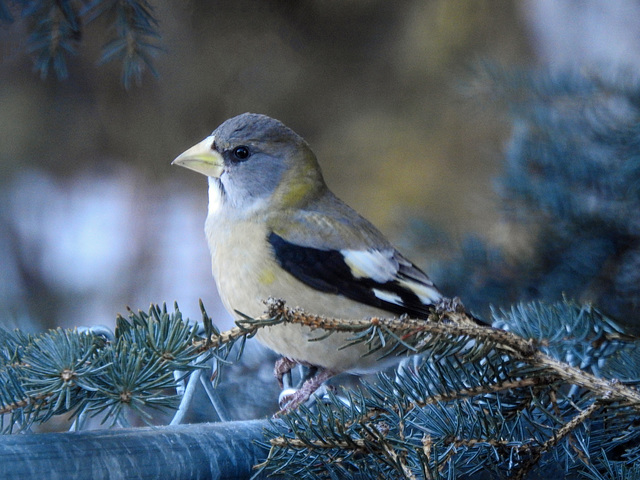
(380, 277)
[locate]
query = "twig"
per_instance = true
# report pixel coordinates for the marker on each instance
(454, 324)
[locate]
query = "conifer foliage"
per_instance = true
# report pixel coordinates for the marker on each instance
(56, 29)
(549, 390)
(571, 182)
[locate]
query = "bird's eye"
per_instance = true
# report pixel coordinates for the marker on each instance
(241, 152)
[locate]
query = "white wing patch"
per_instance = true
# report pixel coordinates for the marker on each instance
(427, 294)
(385, 266)
(378, 265)
(388, 296)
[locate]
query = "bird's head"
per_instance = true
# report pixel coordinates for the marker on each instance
(257, 161)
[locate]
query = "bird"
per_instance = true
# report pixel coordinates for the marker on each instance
(275, 230)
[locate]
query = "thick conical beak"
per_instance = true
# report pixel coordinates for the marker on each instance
(202, 158)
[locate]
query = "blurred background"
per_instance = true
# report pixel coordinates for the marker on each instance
(93, 217)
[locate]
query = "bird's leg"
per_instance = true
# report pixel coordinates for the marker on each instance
(291, 402)
(282, 367)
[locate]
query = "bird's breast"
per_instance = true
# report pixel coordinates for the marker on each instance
(241, 263)
(247, 273)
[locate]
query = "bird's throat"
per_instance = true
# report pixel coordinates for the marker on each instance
(216, 195)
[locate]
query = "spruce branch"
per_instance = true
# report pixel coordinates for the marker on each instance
(562, 432)
(133, 40)
(480, 398)
(568, 193)
(56, 33)
(448, 333)
(56, 30)
(437, 418)
(68, 371)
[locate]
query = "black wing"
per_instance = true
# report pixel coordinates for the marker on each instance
(327, 271)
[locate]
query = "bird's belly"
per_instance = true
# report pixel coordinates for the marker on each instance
(247, 295)
(296, 342)
(246, 276)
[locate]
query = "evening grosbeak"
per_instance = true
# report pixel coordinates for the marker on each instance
(274, 229)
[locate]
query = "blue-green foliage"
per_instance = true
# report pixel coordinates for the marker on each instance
(449, 417)
(56, 28)
(72, 372)
(571, 182)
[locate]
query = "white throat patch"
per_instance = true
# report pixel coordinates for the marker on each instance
(215, 196)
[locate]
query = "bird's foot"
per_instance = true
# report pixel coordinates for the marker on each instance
(282, 367)
(300, 396)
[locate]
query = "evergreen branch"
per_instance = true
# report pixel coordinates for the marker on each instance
(453, 328)
(56, 30)
(133, 41)
(487, 389)
(609, 390)
(218, 340)
(569, 196)
(559, 435)
(382, 424)
(356, 444)
(485, 395)
(66, 371)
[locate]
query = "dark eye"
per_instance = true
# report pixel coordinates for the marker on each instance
(241, 152)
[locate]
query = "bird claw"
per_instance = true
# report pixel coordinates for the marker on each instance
(282, 367)
(291, 399)
(287, 396)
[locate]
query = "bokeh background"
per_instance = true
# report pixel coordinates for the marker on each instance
(94, 218)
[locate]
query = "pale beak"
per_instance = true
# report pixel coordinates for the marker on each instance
(202, 158)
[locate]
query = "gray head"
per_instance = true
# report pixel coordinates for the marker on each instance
(254, 160)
